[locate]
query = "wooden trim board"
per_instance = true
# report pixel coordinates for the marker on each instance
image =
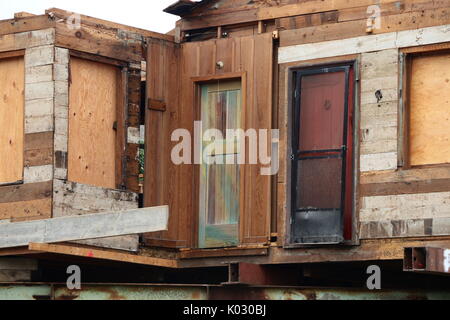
(104, 254)
(91, 226)
(401, 39)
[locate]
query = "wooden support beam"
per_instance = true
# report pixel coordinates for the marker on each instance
(232, 16)
(85, 227)
(103, 254)
(108, 25)
(16, 252)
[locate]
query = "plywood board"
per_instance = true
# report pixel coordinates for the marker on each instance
(12, 82)
(430, 109)
(92, 113)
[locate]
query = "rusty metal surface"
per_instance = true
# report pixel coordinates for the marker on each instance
(281, 293)
(263, 275)
(201, 292)
(427, 260)
(132, 292)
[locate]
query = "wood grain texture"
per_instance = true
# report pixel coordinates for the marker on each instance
(109, 25)
(12, 81)
(429, 110)
(26, 192)
(76, 199)
(88, 39)
(361, 44)
(252, 55)
(71, 199)
(19, 41)
(93, 226)
(163, 78)
(405, 228)
(412, 16)
(39, 22)
(38, 149)
(92, 113)
(405, 206)
(31, 209)
(394, 188)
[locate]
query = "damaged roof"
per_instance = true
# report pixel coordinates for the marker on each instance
(184, 7)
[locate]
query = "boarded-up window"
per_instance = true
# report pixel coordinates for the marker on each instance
(12, 75)
(429, 131)
(92, 114)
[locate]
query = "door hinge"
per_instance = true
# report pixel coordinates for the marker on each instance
(292, 156)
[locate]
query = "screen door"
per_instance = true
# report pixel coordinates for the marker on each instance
(220, 177)
(319, 153)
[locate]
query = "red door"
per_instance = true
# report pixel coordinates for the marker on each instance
(322, 156)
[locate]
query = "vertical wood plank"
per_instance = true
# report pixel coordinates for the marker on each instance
(163, 182)
(12, 79)
(260, 194)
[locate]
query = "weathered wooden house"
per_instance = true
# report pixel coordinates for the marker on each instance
(358, 91)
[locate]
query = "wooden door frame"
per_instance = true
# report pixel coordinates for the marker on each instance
(197, 82)
(353, 63)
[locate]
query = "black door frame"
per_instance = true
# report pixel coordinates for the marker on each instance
(296, 155)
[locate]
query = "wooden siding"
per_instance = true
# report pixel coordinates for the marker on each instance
(250, 55)
(301, 21)
(392, 201)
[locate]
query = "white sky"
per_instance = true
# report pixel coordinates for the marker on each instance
(146, 14)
